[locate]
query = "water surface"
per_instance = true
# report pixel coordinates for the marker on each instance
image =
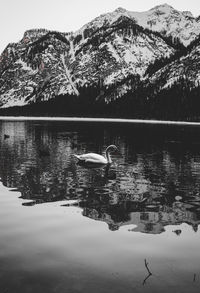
(132, 227)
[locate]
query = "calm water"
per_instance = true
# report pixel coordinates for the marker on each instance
(130, 228)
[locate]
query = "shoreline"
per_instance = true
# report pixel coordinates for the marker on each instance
(102, 120)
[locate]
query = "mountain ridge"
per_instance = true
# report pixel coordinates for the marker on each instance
(115, 55)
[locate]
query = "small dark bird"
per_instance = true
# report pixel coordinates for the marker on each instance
(177, 232)
(6, 136)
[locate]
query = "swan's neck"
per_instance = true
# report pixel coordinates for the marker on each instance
(108, 157)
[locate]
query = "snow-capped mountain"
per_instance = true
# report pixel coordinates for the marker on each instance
(181, 25)
(106, 59)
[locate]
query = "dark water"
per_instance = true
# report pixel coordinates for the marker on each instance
(130, 228)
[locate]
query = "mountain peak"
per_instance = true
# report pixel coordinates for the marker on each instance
(188, 14)
(167, 9)
(163, 6)
(120, 10)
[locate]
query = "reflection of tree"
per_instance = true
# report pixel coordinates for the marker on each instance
(149, 187)
(39, 178)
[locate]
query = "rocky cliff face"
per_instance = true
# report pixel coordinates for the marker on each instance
(185, 68)
(112, 53)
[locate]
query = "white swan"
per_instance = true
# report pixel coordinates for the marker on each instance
(96, 158)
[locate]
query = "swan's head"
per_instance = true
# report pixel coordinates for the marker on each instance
(112, 148)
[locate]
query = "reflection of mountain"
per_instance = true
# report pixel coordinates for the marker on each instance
(147, 221)
(152, 185)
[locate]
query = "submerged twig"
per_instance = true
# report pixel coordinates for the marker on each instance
(148, 270)
(194, 278)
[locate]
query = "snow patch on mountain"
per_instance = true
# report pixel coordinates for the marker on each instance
(113, 52)
(68, 76)
(25, 67)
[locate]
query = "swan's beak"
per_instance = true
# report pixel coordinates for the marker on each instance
(118, 152)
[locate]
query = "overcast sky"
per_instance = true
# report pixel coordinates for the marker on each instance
(17, 16)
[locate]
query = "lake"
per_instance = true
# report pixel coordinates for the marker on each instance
(132, 227)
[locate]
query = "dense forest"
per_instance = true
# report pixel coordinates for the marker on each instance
(180, 102)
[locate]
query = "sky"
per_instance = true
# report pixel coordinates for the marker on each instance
(17, 16)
